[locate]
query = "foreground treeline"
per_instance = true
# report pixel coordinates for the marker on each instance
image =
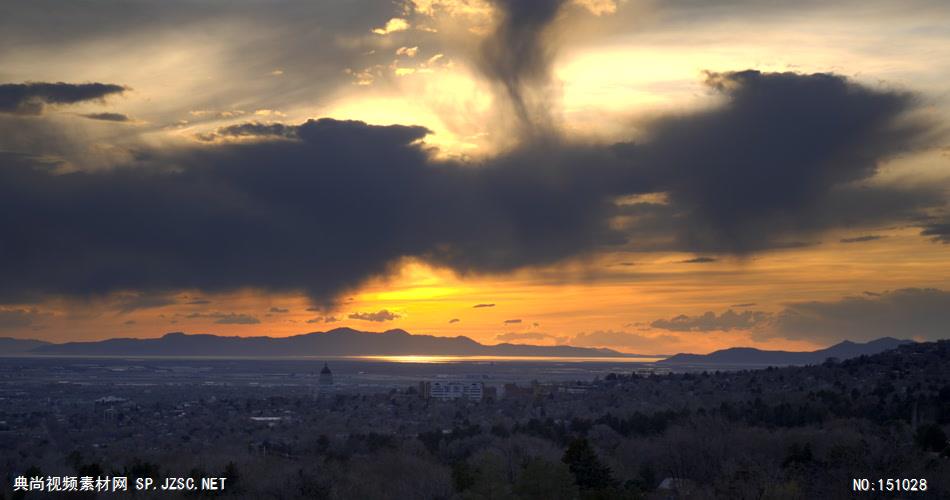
(791, 433)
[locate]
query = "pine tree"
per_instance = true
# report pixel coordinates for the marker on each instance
(589, 472)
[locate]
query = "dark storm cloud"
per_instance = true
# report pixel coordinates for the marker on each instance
(518, 58)
(786, 156)
(323, 319)
(30, 98)
(237, 319)
(127, 303)
(378, 316)
(342, 201)
(938, 231)
(48, 140)
(108, 117)
(698, 260)
(905, 313)
(252, 129)
(726, 321)
(330, 209)
(227, 318)
(861, 239)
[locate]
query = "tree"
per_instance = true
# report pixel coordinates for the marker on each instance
(540, 478)
(500, 430)
(463, 477)
(490, 476)
(323, 443)
(798, 454)
(431, 440)
(931, 437)
(589, 472)
(234, 477)
(646, 479)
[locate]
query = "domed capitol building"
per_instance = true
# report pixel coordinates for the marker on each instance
(325, 382)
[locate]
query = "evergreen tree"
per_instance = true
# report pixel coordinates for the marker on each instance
(931, 437)
(589, 472)
(542, 479)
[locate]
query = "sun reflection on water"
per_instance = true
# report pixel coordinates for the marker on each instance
(501, 359)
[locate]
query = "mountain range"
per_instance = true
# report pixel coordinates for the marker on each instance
(349, 342)
(337, 342)
(19, 346)
(752, 356)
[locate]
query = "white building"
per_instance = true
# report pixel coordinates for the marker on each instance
(446, 390)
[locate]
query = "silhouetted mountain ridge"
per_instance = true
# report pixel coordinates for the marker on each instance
(337, 342)
(18, 346)
(397, 342)
(753, 356)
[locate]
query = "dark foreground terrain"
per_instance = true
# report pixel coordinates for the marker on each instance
(798, 432)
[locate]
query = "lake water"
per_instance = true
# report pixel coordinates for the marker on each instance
(501, 359)
(360, 373)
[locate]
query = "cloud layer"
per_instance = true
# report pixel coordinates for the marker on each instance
(728, 320)
(323, 206)
(517, 57)
(939, 231)
(906, 313)
(32, 98)
(13, 319)
(922, 313)
(378, 316)
(787, 156)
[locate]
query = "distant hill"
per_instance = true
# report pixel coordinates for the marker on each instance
(338, 342)
(19, 346)
(751, 356)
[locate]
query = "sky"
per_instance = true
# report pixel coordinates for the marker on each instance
(653, 177)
